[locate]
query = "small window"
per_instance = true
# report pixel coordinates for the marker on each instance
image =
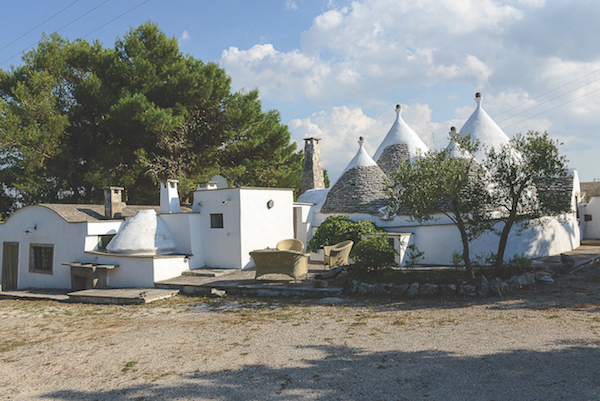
(41, 258)
(216, 220)
(103, 240)
(587, 217)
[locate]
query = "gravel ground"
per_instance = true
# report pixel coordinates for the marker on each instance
(541, 343)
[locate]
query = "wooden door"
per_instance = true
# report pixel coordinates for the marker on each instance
(10, 265)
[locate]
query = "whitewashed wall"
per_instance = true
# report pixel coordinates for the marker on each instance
(68, 240)
(136, 271)
(261, 226)
(186, 231)
(221, 245)
(591, 229)
(248, 223)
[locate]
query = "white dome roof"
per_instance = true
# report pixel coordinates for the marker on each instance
(402, 133)
(455, 150)
(144, 233)
(362, 158)
(481, 127)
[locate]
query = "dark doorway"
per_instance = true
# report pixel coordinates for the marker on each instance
(10, 265)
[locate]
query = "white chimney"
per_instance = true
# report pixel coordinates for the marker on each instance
(169, 197)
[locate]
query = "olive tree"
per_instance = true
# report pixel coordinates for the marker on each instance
(523, 177)
(443, 182)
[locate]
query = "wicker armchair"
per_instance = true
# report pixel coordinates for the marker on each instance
(272, 261)
(336, 255)
(290, 245)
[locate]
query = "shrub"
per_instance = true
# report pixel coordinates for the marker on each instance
(373, 254)
(518, 265)
(457, 259)
(414, 255)
(336, 229)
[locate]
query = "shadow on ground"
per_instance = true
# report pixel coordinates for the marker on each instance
(342, 373)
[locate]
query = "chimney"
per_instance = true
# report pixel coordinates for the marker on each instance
(312, 175)
(113, 202)
(169, 197)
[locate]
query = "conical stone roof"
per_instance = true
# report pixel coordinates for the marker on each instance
(481, 127)
(144, 233)
(401, 133)
(361, 158)
(361, 189)
(392, 156)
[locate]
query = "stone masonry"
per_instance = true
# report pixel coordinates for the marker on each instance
(312, 175)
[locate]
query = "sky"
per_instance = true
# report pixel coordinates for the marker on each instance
(336, 69)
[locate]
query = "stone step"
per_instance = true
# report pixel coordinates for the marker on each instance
(209, 272)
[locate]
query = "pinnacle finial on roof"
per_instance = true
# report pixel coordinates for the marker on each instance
(453, 129)
(478, 99)
(398, 108)
(361, 140)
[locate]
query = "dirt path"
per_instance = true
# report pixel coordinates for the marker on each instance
(540, 344)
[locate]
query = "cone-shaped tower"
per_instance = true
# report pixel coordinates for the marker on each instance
(401, 133)
(481, 127)
(360, 189)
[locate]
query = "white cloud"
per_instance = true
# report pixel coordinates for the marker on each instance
(291, 5)
(185, 37)
(369, 53)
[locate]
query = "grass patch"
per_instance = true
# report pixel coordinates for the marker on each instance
(10, 345)
(130, 366)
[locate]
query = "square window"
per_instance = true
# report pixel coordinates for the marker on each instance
(216, 220)
(41, 258)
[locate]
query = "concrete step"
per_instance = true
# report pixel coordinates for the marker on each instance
(122, 296)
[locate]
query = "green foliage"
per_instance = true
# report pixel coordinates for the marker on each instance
(414, 255)
(373, 254)
(457, 259)
(518, 265)
(522, 176)
(336, 229)
(448, 183)
(77, 117)
(326, 181)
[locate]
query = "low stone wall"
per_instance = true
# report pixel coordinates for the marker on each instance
(496, 287)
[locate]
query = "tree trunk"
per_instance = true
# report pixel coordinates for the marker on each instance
(498, 269)
(465, 242)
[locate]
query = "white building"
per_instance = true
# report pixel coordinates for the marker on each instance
(590, 210)
(360, 193)
(115, 245)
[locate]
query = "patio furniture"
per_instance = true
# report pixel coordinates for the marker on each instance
(290, 245)
(274, 261)
(336, 255)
